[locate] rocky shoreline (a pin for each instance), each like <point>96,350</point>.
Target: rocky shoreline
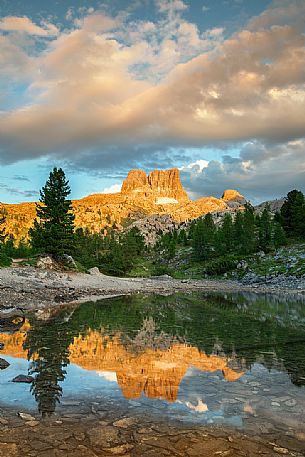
<point>32,289</point>
<point>93,430</point>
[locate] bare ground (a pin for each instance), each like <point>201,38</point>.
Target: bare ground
<point>31,288</point>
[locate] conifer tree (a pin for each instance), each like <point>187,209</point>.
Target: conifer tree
<point>204,238</point>
<point>3,235</point>
<point>293,214</point>
<point>265,230</point>
<point>224,239</point>
<point>53,231</point>
<point>279,235</point>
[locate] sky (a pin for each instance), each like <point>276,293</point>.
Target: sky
<point>213,87</point>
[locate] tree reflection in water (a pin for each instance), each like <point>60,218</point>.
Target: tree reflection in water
<point>47,345</point>
<point>244,329</point>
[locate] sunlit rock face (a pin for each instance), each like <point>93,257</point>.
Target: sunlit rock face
<point>154,372</point>
<point>160,193</point>
<point>162,186</point>
<point>233,198</point>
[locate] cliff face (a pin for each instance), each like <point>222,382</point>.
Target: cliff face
<point>233,198</point>
<point>163,186</point>
<point>160,193</point>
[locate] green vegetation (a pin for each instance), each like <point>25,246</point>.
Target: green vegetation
<point>243,241</point>
<point>292,215</point>
<point>53,231</point>
<point>114,254</point>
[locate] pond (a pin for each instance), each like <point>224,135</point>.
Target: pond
<point>231,359</point>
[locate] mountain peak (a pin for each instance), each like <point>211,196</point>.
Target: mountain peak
<point>164,186</point>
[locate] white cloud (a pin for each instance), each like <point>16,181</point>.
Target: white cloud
<point>195,167</point>
<point>110,85</point>
<point>112,189</point>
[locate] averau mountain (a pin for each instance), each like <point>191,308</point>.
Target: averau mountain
<point>160,193</point>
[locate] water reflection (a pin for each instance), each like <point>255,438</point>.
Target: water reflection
<point>176,349</point>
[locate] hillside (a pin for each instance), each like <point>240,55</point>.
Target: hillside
<point>159,193</point>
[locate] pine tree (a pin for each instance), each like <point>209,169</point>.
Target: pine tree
<point>279,235</point>
<point>204,238</point>
<point>293,214</point>
<point>3,235</point>
<point>53,230</point>
<point>265,230</point>
<point>224,239</point>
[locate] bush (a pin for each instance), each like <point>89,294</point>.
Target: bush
<point>222,265</point>
<point>5,261</point>
<point>161,270</point>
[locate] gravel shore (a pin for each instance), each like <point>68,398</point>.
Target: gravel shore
<point>32,288</point>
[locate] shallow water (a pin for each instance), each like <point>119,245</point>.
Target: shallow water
<point>236,359</point>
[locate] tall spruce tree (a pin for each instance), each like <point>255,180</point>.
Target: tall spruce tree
<point>225,236</point>
<point>3,235</point>
<point>265,230</point>
<point>53,230</point>
<point>204,238</point>
<point>293,214</point>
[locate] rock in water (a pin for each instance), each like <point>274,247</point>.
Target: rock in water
<point>3,364</point>
<point>23,378</point>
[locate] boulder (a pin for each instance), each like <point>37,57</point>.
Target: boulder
<point>94,271</point>
<point>3,364</point>
<point>46,263</point>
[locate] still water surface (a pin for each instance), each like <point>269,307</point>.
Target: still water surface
<point>233,359</point>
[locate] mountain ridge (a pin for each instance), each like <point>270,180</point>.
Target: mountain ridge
<point>158,193</point>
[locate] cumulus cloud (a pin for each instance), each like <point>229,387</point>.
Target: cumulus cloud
<point>110,85</point>
<point>26,25</point>
<point>260,172</point>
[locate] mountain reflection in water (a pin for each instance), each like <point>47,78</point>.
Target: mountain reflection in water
<point>150,343</point>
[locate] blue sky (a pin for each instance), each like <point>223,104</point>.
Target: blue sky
<point>102,87</point>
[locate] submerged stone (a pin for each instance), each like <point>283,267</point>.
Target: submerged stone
<point>23,378</point>
<point>3,364</point>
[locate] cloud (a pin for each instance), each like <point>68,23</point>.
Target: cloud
<point>15,63</point>
<point>195,167</point>
<point>261,171</point>
<point>113,189</point>
<point>114,90</point>
<point>26,25</point>
<point>15,191</point>
<point>21,178</point>
<point>171,5</point>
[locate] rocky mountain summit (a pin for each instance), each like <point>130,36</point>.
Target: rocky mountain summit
<point>158,194</point>
<point>163,186</point>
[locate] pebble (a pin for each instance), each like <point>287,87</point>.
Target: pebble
<point>26,416</point>
<point>32,423</point>
<point>291,402</point>
<point>281,450</point>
